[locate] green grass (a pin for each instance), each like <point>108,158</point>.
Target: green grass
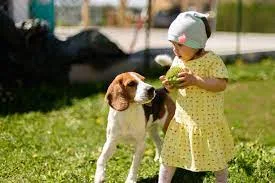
<point>56,134</point>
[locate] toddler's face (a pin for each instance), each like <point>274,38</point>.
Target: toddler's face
<point>185,53</point>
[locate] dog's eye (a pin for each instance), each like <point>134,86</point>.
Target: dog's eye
<point>132,84</point>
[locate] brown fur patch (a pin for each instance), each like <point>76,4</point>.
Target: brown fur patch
<point>121,91</point>
<point>157,107</point>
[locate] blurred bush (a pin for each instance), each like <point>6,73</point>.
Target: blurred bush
<point>240,71</point>
<point>256,17</point>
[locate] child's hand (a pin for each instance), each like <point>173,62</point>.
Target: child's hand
<point>186,78</point>
<point>166,83</point>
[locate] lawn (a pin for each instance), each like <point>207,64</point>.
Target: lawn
<point>56,134</point>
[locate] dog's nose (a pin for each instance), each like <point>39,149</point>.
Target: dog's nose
<point>151,91</point>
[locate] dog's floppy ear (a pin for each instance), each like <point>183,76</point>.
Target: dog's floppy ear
<point>116,96</point>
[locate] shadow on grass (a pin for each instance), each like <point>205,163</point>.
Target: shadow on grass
<point>181,176</point>
<point>46,97</point>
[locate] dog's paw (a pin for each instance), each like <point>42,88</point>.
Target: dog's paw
<point>130,181</point>
<point>132,178</point>
<point>99,180</point>
<point>99,176</point>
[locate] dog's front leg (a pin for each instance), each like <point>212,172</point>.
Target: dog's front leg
<point>107,151</point>
<point>139,150</point>
<point>153,132</point>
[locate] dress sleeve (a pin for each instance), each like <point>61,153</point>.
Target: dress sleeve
<point>218,69</point>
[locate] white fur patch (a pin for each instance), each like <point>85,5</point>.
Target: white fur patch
<point>142,91</point>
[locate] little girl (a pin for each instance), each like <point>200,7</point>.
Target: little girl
<point>199,139</point>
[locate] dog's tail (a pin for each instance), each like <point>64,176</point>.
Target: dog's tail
<point>164,60</point>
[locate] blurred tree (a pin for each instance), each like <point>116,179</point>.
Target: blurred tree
<point>122,13</point>
<point>85,13</point>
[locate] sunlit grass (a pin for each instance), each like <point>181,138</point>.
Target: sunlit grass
<point>62,142</point>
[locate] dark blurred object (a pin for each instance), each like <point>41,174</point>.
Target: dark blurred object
<point>31,47</point>
<point>164,18</point>
<point>12,48</point>
<point>4,5</point>
<point>90,46</point>
<point>31,54</point>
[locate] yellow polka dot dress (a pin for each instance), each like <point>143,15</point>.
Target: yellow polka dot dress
<point>199,138</point>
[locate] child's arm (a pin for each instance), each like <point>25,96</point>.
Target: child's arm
<point>211,84</point>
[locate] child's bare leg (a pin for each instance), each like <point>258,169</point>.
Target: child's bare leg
<point>166,173</point>
<point>221,176</point>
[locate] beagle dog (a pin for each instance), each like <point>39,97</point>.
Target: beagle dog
<point>135,108</point>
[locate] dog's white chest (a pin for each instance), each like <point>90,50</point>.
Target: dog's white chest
<point>127,125</point>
